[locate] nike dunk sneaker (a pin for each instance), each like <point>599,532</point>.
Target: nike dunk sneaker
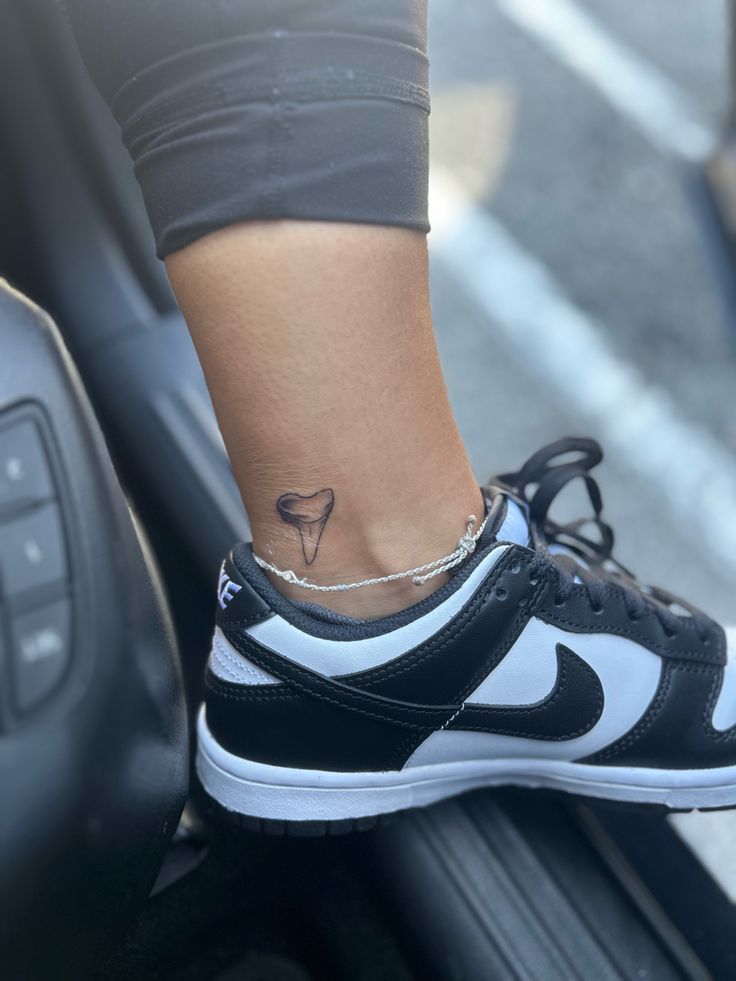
<point>541,663</point>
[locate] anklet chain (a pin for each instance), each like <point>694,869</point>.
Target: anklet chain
<point>422,573</point>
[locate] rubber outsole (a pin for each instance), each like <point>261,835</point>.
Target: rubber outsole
<point>309,829</point>
<point>288,801</point>
<point>274,828</point>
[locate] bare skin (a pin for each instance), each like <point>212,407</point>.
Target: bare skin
<point>317,343</point>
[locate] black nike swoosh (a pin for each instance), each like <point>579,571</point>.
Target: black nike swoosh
<point>571,709</point>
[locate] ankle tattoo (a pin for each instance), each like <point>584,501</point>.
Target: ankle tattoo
<point>308,513</point>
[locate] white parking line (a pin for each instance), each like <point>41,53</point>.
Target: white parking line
<point>635,88</point>
<point>693,474</point>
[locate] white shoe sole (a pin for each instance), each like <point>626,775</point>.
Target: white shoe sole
<point>280,793</point>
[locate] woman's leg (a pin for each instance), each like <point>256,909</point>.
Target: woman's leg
<point>317,343</point>
<point>315,334</point>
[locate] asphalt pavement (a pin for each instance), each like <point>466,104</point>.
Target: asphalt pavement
<point>570,131</point>
<point>573,287</point>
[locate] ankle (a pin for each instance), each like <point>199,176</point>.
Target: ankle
<point>376,551</point>
<point>366,603</point>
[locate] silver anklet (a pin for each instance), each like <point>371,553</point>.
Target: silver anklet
<point>422,573</point>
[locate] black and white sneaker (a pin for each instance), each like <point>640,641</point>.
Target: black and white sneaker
<point>542,663</point>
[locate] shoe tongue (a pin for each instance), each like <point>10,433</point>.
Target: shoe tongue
<point>514,527</point>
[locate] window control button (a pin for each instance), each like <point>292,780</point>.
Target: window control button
<point>24,471</point>
<point>41,648</point>
<point>32,551</point>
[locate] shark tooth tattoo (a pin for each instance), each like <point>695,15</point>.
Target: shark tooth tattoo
<point>309,514</point>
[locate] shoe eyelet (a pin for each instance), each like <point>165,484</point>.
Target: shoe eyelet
<point>515,569</point>
<point>598,610</point>
<point>501,593</point>
<point>559,602</point>
<point>533,580</point>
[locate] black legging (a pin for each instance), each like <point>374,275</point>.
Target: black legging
<point>241,109</point>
